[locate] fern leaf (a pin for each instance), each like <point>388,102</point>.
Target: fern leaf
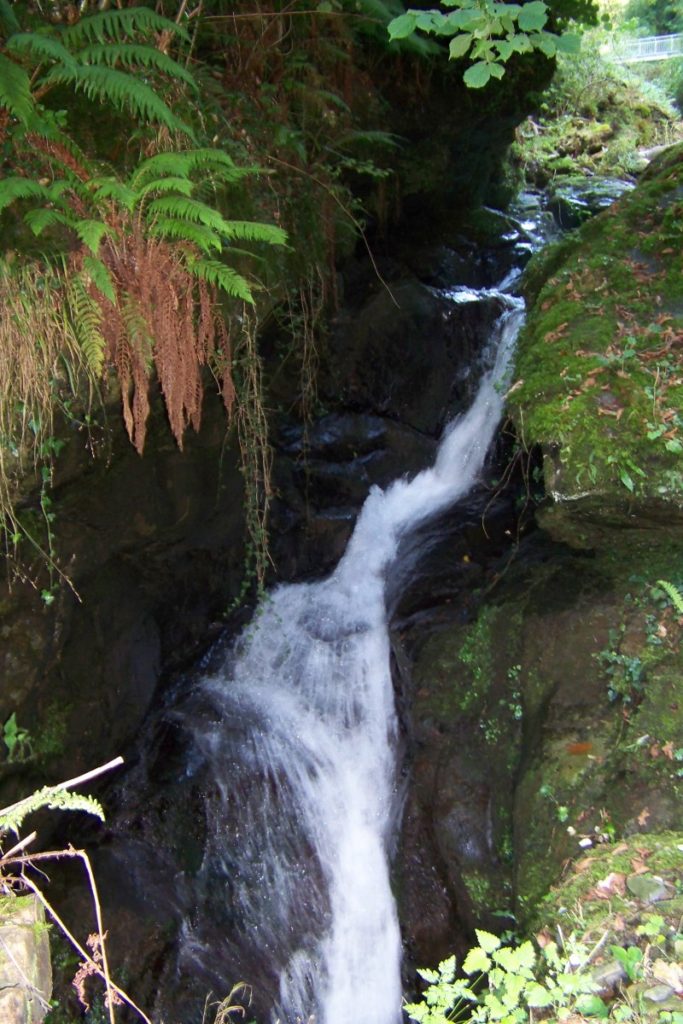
<point>100,277</point>
<point>172,184</point>
<point>181,231</point>
<point>214,161</point>
<point>673,593</point>
<point>15,188</point>
<point>15,90</point>
<point>191,210</point>
<point>135,55</point>
<point>8,18</point>
<point>87,320</point>
<point>91,233</point>
<point>39,220</point>
<point>123,91</point>
<point>43,47</point>
<point>12,817</point>
<point>218,274</point>
<point>119,25</point>
<point>253,231</point>
<point>111,188</point>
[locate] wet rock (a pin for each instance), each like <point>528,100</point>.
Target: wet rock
<point>25,972</point>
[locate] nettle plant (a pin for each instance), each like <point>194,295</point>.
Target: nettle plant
<point>506,985</point>
<point>143,253</point>
<point>487,32</point>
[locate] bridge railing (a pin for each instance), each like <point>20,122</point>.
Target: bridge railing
<point>630,51</point>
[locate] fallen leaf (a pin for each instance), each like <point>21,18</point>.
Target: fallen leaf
<point>582,865</point>
<point>671,974</point>
<point>639,866</point>
<point>668,750</point>
<point>654,750</point>
<point>643,816</point>
<point>618,923</point>
<point>619,848</point>
<point>579,748</point>
<point>613,885</point>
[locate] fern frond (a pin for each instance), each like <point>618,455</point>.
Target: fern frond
<point>43,47</point>
<point>97,272</point>
<point>673,593</point>
<point>119,25</point>
<point>123,91</point>
<point>135,55</point>
<point>111,188</point>
<point>254,231</point>
<point>218,274</point>
<point>8,18</point>
<point>39,220</point>
<point>214,161</point>
<point>86,315</point>
<point>15,188</point>
<point>12,817</point>
<point>191,210</point>
<point>91,233</point>
<point>181,231</point>
<point>15,90</point>
<point>172,184</point>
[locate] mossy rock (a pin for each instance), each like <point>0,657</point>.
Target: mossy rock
<point>599,368</point>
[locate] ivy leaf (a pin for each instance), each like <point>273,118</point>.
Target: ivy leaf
<point>478,75</point>
<point>459,45</point>
<point>403,26</point>
<point>546,44</point>
<point>533,16</point>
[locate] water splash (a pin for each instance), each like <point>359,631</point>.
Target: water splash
<point>302,743</point>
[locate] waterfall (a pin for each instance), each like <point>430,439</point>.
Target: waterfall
<point>302,743</point>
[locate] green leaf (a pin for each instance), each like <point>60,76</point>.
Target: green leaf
<point>91,233</point>
<point>497,70</point>
<point>487,940</point>
<point>100,277</point>
<point>477,76</point>
<point>203,237</point>
<point>403,26</point>
<point>476,961</point>
<point>459,45</point>
<point>123,91</point>
<point>545,42</point>
<point>568,42</point>
<point>135,55</point>
<point>118,25</point>
<point>254,231</point>
<point>43,47</point>
<point>39,220</point>
<point>592,1006</point>
<point>15,90</point>
<point>533,16</point>
<point>222,276</point>
<point>111,188</point>
<point>626,480</point>
<point>15,188</point>
<point>537,996</point>
<point>8,18</point>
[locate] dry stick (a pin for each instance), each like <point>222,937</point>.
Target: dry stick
<point>354,220</point>
<point>76,944</point>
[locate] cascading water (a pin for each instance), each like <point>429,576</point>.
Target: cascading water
<point>303,730</point>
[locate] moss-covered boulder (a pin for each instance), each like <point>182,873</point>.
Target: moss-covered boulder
<point>599,373</point>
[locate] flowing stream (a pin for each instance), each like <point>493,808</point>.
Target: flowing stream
<point>304,730</point>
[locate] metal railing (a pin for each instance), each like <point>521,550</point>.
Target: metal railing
<point>632,51</point>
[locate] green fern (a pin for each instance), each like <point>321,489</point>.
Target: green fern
<point>112,188</point>
<point>86,315</point>
<point>8,19</point>
<point>96,271</point>
<point>218,274</point>
<point>121,90</point>
<point>212,161</point>
<point>181,231</point>
<point>673,593</point>
<point>15,188</point>
<point>11,818</point>
<point>41,219</point>
<point>191,210</point>
<point>91,233</point>
<point>44,47</point>
<point>15,90</point>
<point>119,25</point>
<point>253,231</point>
<point>172,184</point>
<point>135,55</point>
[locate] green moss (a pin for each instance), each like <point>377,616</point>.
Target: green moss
<point>599,373</point>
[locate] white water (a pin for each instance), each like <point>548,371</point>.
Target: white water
<point>305,731</point>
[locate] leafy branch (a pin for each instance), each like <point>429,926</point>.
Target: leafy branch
<point>487,32</point>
